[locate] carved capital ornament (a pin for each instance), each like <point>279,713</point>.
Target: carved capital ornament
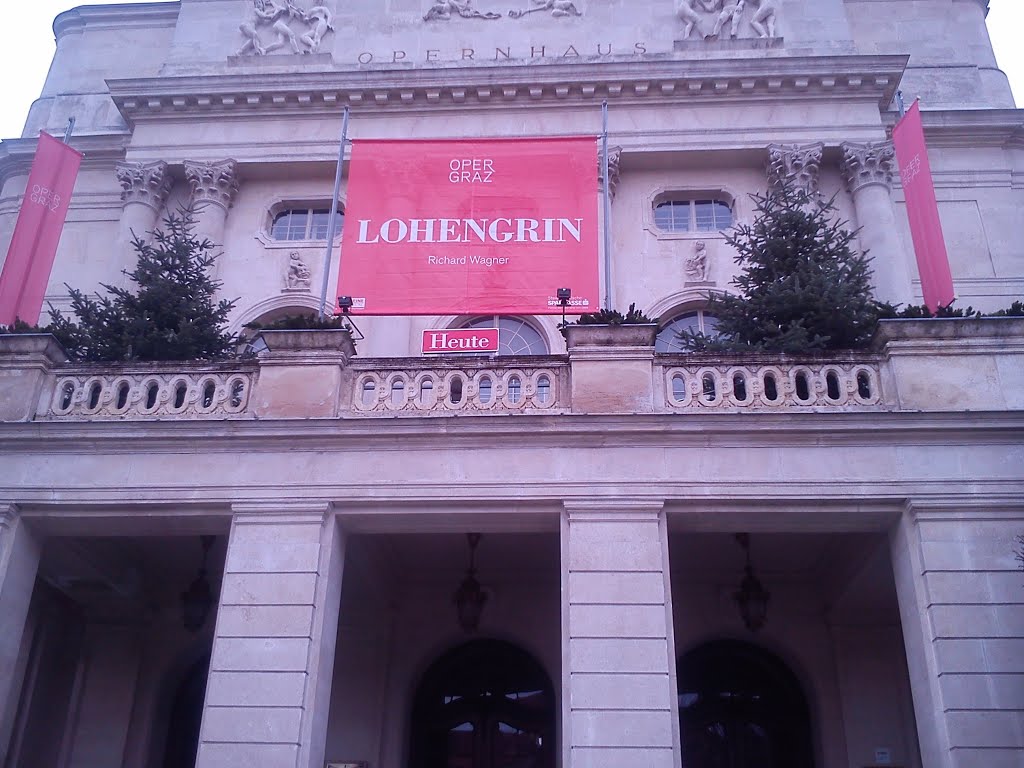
<point>146,183</point>
<point>212,182</point>
<point>795,165</point>
<point>864,164</point>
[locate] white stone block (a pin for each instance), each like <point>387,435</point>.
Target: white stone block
<point>977,621</point>
<point>255,689</point>
<point>986,729</point>
<point>617,588</point>
<point>273,557</point>
<point>265,621</point>
<point>621,729</point>
<point>259,725</point>
<point>247,755</point>
<point>618,656</point>
<point>985,758</point>
<point>983,691</point>
<point>604,757</point>
<point>235,654</point>
<point>991,655</point>
<point>276,533</point>
<point>617,621</point>
<point>611,691</point>
<point>268,589</point>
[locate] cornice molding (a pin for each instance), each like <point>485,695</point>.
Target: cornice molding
<point>872,78</point>
<point>100,151</point>
<point>115,17</point>
<point>969,127</point>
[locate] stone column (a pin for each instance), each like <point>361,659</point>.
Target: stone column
<point>618,651</point>
<point>213,190</point>
<point>145,187</point>
<point>268,693</point>
<point>796,165</point>
<point>962,610</point>
<point>19,560</point>
<point>868,172</point>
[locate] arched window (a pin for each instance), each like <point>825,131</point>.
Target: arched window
<point>668,336</point>
<point>305,223</point>
<point>741,707</point>
<point>679,212</point>
<point>515,336</point>
<point>484,704</point>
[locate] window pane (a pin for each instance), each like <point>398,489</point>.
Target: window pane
<point>673,215</point>
<point>723,215</point>
<point>290,225</point>
<point>320,221</point>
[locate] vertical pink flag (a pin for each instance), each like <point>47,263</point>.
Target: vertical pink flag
<point>40,221</point>
<point>923,210</point>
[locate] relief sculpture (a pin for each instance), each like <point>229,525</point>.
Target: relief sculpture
<point>300,30</point>
<point>727,16</point>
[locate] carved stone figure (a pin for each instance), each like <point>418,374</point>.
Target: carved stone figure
<point>442,10</point>
<point>695,265</point>
<point>320,18</point>
<point>298,276</point>
<point>557,8</point>
<point>796,165</point>
<point>279,15</point>
<point>730,13</point>
<point>763,21</point>
<point>689,17</point>
<point>146,183</point>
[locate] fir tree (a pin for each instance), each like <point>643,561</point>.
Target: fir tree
<point>803,287</point>
<point>172,315</point>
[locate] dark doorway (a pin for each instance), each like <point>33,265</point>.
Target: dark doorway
<point>484,704</point>
<point>741,707</point>
<point>186,717</point>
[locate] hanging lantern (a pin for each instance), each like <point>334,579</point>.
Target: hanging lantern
<point>470,596</point>
<point>752,598</point>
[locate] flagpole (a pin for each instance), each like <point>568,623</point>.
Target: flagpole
<point>900,105</point>
<point>69,129</point>
<point>334,214</point>
<point>607,208</point>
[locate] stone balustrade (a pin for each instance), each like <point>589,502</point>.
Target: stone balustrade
<point>701,382</point>
<point>185,391</point>
<point>414,386</point>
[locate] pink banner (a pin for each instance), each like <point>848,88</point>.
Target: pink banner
<point>40,222</point>
<point>481,226</point>
<point>923,210</point>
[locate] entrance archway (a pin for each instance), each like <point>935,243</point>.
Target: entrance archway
<point>484,704</point>
<point>741,707</point>
<point>186,716</point>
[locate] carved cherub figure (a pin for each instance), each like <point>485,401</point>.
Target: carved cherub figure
<point>319,18</point>
<point>689,17</point>
<point>764,19</point>
<point>695,265</point>
<point>730,12</point>
<point>298,275</point>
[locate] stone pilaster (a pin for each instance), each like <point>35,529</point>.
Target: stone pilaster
<point>19,560</point>
<point>797,165</point>
<point>619,672</point>
<point>214,186</point>
<point>962,609</point>
<point>268,694</point>
<point>868,170</point>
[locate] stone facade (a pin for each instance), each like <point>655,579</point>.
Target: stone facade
<point>881,490</point>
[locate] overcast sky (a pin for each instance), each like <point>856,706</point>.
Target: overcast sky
<point>27,47</point>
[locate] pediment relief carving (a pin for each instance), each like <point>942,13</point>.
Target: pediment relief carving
<point>446,10</point>
<point>284,24</point>
<point>717,19</point>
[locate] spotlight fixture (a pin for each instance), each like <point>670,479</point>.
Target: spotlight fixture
<point>345,303</point>
<point>563,295</point>
<point>470,596</point>
<point>197,600</point>
<point>752,598</point>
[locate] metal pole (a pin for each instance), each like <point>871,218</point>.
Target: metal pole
<point>607,208</point>
<point>899,103</point>
<point>69,129</point>
<point>334,215</point>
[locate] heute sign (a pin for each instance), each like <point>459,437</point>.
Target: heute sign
<point>453,227</point>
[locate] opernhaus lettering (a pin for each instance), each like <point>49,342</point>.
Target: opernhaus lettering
<point>499,230</point>
<point>506,53</point>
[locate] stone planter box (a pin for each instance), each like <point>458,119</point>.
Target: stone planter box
<point>629,335</point>
<point>317,343</point>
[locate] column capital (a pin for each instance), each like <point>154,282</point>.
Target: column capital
<point>614,155</point>
<point>214,183</point>
<point>795,164</point>
<point>9,514</point>
<point>867,163</point>
<point>146,183</point>
<point>298,512</point>
<point>612,510</point>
